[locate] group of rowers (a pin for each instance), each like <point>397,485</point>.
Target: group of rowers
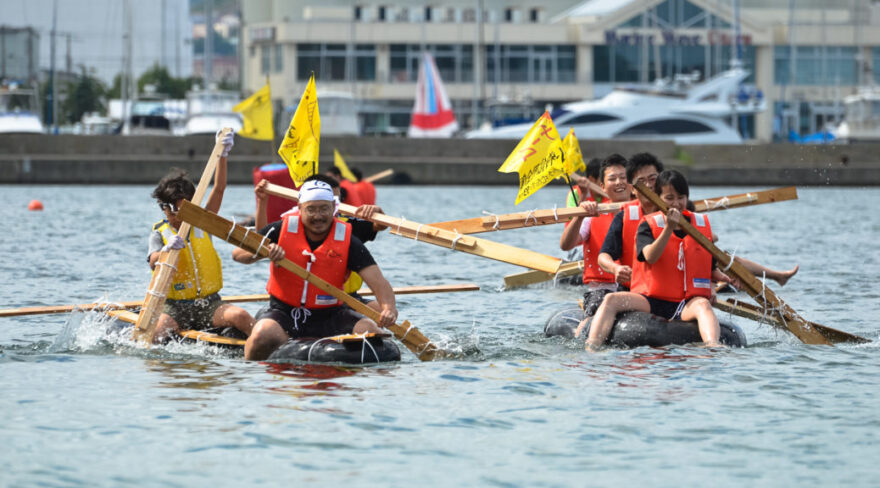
<point>640,259</point>
<point>637,250</point>
<point>311,235</point>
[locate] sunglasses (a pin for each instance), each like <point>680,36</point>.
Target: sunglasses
<point>168,206</point>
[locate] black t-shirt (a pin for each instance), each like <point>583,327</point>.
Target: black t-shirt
<point>358,255</point>
<point>613,243</point>
<point>644,237</point>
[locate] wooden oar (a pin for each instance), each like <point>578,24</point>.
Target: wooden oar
<point>402,290</point>
<point>238,235</point>
<point>445,238</point>
<point>793,322</point>
<point>526,278</point>
<point>378,176</point>
<point>145,328</point>
<point>519,220</point>
<point>758,314</point>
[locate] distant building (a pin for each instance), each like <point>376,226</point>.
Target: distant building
<point>556,51</point>
<point>19,54</point>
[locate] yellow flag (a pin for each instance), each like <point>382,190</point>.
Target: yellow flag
<point>299,149</point>
<point>538,158</point>
<point>574,160</point>
<point>256,111</point>
<point>343,168</point>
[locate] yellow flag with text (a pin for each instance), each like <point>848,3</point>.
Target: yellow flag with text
<point>343,168</point>
<point>299,149</point>
<point>574,160</point>
<point>256,113</point>
<point>538,158</point>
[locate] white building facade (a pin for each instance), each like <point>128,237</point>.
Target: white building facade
<point>534,54</point>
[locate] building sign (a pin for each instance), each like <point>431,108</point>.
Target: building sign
<point>674,38</point>
<point>262,34</point>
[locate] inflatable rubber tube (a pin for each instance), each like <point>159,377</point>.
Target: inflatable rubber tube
<point>637,329</point>
<point>327,350</point>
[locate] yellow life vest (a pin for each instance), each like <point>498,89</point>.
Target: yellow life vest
<point>354,281</point>
<point>199,271</point>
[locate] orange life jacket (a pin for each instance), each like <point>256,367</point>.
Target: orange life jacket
<point>367,192</point>
<point>683,271</point>
<point>328,262</point>
<point>598,230</point>
<point>352,193</point>
<point>632,217</point>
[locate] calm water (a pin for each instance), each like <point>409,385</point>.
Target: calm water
<point>84,407</point>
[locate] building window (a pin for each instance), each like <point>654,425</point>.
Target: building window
<point>508,15</point>
<point>330,62</point>
<point>358,13</point>
<point>816,65</point>
<point>264,59</point>
<point>535,15</point>
<point>666,127</point>
<point>623,63</point>
<point>279,58</point>
<point>455,62</point>
<point>530,64</point>
<point>469,15</point>
<point>428,14</point>
<point>382,13</point>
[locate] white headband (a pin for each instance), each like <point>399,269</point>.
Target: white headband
<point>315,190</point>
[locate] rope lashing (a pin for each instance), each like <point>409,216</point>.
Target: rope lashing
<point>497,220</point>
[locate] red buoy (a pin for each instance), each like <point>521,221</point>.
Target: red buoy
<point>35,205</point>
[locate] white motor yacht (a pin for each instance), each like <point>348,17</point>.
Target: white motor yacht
<point>211,110</point>
<point>694,114</point>
<point>861,121</point>
<point>19,111</point>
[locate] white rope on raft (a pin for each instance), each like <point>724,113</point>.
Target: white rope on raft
<point>497,220</point>
<point>229,236</point>
<point>531,215</point>
<point>730,263</point>
<point>555,216</point>
<point>364,345</point>
<point>263,241</point>
<point>455,241</point>
<point>405,333</point>
<point>416,238</point>
<point>402,220</point>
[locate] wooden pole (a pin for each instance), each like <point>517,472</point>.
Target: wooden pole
<point>403,290</point>
<point>794,323</point>
<point>242,237</point>
<point>445,238</point>
<point>145,328</point>
<point>378,176</point>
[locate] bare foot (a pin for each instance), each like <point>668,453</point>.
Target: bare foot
<point>590,347</point>
<point>784,276</point>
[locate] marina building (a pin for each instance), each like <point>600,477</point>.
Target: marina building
<point>502,59</point>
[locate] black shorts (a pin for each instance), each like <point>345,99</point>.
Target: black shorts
<point>318,322</point>
<point>663,308</point>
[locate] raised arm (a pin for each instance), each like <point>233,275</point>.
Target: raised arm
<point>215,198</point>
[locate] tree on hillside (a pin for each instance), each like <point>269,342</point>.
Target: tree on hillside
<point>83,96</point>
<point>165,83</point>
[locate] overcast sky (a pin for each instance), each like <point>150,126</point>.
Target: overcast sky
<point>96,26</point>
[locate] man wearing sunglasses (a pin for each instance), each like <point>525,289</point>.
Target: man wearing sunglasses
<point>193,301</point>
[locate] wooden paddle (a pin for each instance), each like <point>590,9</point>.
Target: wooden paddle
<point>242,237</point>
<point>445,238</point>
<point>379,175</point>
<point>145,328</point>
<point>402,290</point>
<point>519,220</point>
<point>526,278</point>
<point>758,314</point>
<point>794,323</point>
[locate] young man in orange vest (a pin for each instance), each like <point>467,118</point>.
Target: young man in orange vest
<point>675,280</point>
<point>314,239</point>
<point>365,189</point>
<point>590,231</point>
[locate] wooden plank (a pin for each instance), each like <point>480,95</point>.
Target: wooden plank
<point>447,239</point>
<point>378,176</point>
<point>402,290</point>
<point>759,314</point>
<point>491,223</point>
<point>238,235</point>
<point>145,329</point>
<point>793,322</point>
<point>201,336</point>
<point>520,280</point>
<point>746,199</point>
<point>534,218</point>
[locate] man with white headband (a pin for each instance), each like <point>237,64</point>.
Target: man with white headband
<point>324,245</point>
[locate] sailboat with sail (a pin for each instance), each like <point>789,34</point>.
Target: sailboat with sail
<point>432,113</point>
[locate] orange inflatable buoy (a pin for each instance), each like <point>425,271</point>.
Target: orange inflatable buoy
<point>35,205</point>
